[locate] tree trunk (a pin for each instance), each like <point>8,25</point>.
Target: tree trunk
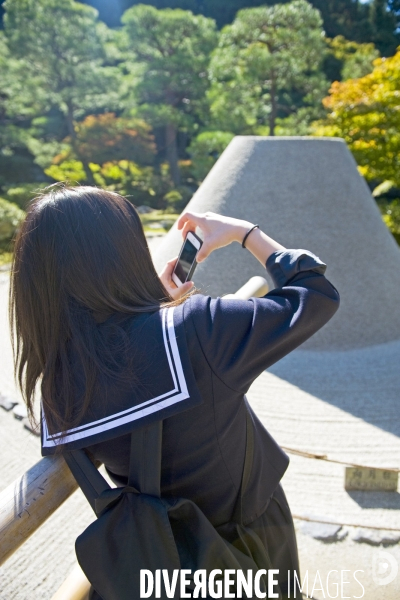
<point>172,152</point>
<point>70,123</point>
<point>72,134</point>
<point>274,108</point>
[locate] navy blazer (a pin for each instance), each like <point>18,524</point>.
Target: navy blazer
<point>194,364</point>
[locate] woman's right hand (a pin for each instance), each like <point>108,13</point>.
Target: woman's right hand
<point>218,230</point>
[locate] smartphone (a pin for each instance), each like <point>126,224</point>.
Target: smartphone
<point>186,263</point>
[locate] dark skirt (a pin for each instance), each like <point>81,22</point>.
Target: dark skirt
<point>275,529</point>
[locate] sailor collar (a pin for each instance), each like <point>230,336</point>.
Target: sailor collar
<point>167,387</point>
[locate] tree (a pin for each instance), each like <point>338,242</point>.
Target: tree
<point>356,59</point>
<point>354,19</point>
<point>349,18</point>
<point>16,162</point>
<point>365,112</point>
<point>105,137</point>
<point>172,48</point>
<point>205,150</point>
<point>267,64</point>
<point>374,22</point>
<point>394,7</point>
<point>222,11</point>
<point>384,24</point>
<point>63,48</point>
<point>11,217</point>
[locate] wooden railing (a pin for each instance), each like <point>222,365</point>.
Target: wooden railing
<point>28,502</point>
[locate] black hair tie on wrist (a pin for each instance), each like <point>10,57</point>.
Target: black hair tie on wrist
<point>248,233</point>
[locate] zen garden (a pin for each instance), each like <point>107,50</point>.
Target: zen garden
<point>143,101</point>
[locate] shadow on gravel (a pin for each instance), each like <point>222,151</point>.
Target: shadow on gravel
<point>364,382</point>
<point>369,499</point>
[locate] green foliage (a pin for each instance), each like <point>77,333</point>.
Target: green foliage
<point>105,137</point>
<point>23,193</point>
<point>373,21</point>
<point>223,11</point>
<point>173,48</point>
<point>122,109</point>
<point>16,161</point>
<point>173,200</point>
<point>158,221</point>
<point>10,218</point>
<point>267,64</point>
<point>71,170</point>
<point>298,123</point>
<point>384,25</point>
<point>14,85</point>
<point>16,166</point>
<point>365,112</point>
<point>63,59</point>
<point>394,7</point>
<point>5,257</point>
<point>383,188</point>
<point>391,215</point>
<point>143,184</point>
<point>100,139</point>
<point>356,59</point>
<point>205,149</point>
<point>348,18</point>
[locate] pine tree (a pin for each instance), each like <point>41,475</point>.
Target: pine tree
<point>267,64</point>
<point>376,21</point>
<point>384,23</point>
<point>171,51</point>
<point>63,49</point>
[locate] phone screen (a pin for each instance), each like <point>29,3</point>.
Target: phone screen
<point>185,262</point>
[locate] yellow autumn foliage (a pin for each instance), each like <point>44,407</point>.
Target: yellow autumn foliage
<point>366,113</point>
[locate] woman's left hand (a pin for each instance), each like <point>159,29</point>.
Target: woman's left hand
<point>175,292</point>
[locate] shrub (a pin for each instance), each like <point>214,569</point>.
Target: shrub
<point>10,218</point>
<point>104,138</point>
<point>205,149</point>
<point>67,170</point>
<point>22,194</point>
<point>365,112</point>
<point>143,185</point>
<point>391,215</point>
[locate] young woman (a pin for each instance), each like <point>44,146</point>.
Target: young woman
<point>115,347</point>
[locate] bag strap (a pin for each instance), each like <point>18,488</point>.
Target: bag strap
<point>145,459</point>
<point>91,482</point>
<point>145,466</point>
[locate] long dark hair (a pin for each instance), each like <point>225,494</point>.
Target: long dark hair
<point>80,257</point>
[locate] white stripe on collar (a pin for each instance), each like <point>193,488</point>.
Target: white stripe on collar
<point>177,394</point>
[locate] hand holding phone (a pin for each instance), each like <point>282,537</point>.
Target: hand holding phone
<point>186,263</point>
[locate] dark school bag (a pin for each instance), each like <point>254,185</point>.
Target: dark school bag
<point>138,529</point>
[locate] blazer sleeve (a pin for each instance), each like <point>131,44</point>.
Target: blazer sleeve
<point>242,338</point>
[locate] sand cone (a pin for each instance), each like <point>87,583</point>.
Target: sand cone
<point>305,193</point>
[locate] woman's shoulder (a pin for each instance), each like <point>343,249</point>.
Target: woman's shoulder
<point>202,305</point>
<point>206,314</point>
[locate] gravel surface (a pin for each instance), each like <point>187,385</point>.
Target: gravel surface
<point>305,193</point>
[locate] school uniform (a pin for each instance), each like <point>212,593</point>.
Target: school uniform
<point>194,364</point>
